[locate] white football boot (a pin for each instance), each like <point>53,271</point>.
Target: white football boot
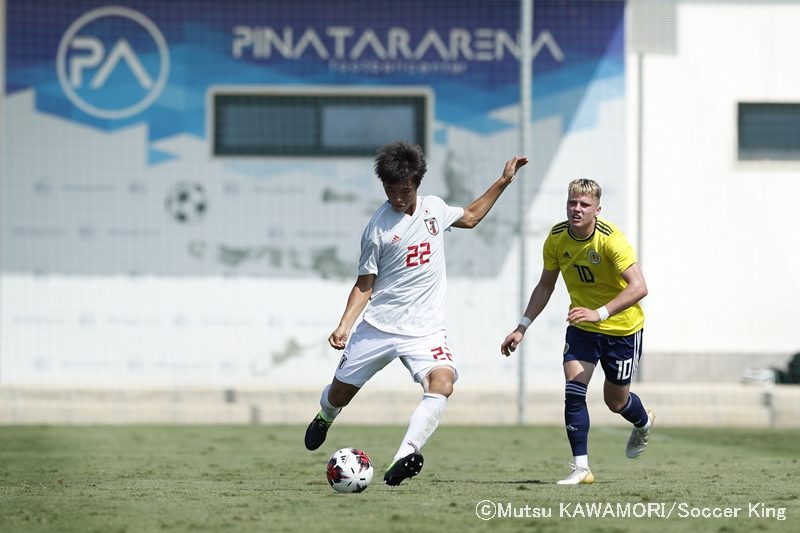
<point>637,442</point>
<point>579,476</point>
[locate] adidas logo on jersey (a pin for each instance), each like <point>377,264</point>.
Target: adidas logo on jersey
<point>396,238</point>
<point>566,255</point>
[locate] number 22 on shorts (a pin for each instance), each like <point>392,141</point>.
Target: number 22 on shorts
<point>440,353</point>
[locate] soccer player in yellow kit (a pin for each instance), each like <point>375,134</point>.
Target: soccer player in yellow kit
<point>605,284</point>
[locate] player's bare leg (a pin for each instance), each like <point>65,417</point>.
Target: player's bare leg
<point>334,397</point>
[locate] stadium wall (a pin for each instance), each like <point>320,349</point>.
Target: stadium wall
<point>103,288</point>
<point>716,245</point>
<point>676,405</point>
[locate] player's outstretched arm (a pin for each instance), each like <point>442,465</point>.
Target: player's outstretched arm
<point>356,302</point>
<point>537,302</point>
<point>478,209</point>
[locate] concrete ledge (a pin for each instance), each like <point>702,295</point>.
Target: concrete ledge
<point>698,368</point>
<point>695,404</point>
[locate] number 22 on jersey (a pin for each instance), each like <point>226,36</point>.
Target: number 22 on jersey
<point>418,254</point>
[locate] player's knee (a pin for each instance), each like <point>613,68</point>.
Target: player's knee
<point>615,404</point>
<point>439,383</point>
<point>446,389</point>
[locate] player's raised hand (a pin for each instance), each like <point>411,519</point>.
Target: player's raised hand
<point>513,165</point>
<point>511,342</point>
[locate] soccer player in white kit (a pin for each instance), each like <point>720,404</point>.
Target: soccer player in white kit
<point>402,283</point>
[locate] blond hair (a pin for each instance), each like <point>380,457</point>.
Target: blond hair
<point>584,187</point>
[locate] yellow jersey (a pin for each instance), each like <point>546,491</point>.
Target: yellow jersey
<point>592,269</point>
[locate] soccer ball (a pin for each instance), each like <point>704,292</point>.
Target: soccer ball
<point>187,202</point>
<point>349,470</point>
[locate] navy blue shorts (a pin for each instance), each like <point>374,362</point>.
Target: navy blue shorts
<point>618,355</point>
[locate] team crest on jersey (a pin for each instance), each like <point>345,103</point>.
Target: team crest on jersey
<point>594,257</point>
<point>432,225</point>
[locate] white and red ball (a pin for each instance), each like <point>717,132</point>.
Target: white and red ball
<point>349,470</point>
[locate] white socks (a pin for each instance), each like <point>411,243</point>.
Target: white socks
<point>581,461</point>
<point>424,421</point>
<point>328,411</point>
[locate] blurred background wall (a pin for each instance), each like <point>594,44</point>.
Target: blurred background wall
<point>184,185</point>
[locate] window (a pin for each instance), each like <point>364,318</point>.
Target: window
<point>769,131</point>
<point>319,122</point>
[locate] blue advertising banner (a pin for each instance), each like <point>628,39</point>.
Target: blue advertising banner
<point>152,61</point>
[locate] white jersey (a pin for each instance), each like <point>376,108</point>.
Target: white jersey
<point>407,255</point>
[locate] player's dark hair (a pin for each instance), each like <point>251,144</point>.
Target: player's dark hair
<point>400,160</point>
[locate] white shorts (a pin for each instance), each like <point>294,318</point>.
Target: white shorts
<point>370,349</point>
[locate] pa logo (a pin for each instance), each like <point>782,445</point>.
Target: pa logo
<point>112,62</point>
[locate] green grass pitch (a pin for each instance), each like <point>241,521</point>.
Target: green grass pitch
<point>261,478</point>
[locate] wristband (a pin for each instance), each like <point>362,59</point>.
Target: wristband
<point>525,322</point>
<point>603,312</point>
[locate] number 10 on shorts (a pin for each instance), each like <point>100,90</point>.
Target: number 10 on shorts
<point>624,369</point>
